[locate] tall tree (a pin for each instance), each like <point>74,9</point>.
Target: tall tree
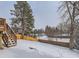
<point>23,17</point>
<point>70,9</point>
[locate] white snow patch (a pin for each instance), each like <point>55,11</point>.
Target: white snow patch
<point>60,39</point>
<point>40,50</point>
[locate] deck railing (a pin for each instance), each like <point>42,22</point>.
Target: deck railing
<point>11,33</point>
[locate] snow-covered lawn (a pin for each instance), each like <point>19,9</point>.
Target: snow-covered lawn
<point>41,50</point>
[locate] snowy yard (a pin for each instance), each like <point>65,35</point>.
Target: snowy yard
<point>24,49</point>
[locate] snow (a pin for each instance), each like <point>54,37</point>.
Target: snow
<point>60,39</point>
<point>43,36</point>
<point>39,50</point>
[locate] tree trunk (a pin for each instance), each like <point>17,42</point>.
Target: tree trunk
<point>72,17</point>
<point>72,36</point>
<point>22,28</point>
<point>23,23</point>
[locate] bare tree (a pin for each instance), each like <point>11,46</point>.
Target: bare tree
<point>70,9</point>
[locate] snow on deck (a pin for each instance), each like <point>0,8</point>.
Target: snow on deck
<point>24,49</point>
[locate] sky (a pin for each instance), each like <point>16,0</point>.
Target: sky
<point>44,12</point>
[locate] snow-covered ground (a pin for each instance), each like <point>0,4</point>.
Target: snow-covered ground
<point>41,50</point>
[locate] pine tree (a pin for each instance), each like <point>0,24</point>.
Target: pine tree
<point>23,17</point>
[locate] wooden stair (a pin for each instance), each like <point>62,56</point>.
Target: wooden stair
<point>8,37</point>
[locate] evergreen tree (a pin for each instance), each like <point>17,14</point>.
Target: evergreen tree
<point>23,17</point>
